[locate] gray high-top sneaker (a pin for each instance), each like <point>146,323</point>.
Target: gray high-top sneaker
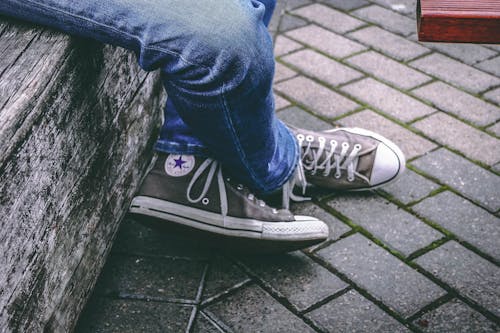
<point>192,191</point>
<point>347,159</point>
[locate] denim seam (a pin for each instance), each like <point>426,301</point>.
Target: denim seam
<point>120,32</point>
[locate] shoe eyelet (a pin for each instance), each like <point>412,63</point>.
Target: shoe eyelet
<point>350,179</point>
<point>262,204</point>
<point>309,138</point>
<point>239,187</point>
<point>321,139</point>
<point>228,179</point>
<point>275,211</point>
<point>251,197</point>
<point>205,201</point>
<point>357,146</point>
<point>345,145</point>
<point>300,136</point>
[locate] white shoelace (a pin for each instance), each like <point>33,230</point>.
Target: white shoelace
<point>215,168</point>
<point>323,159</point>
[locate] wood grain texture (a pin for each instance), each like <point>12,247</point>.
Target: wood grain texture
<point>77,123</point>
<point>466,21</point>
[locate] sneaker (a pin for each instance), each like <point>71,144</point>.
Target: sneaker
<point>192,191</point>
<point>347,159</point>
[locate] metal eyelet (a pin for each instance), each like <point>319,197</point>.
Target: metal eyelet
<point>205,201</point>
<point>239,187</point>
<point>300,136</point>
<point>321,139</point>
<point>345,145</point>
<point>309,138</point>
<point>357,146</point>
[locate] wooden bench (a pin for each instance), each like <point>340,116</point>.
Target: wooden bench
<point>465,21</point>
<point>77,123</point>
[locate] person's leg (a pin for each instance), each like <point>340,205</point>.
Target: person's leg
<point>217,66</point>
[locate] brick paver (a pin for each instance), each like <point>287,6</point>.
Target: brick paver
<point>388,19</point>
<point>389,70</point>
<point>354,313</point>
<point>386,42</point>
<point>460,136</point>
<point>317,65</point>
<point>411,144</point>
<point>326,41</point>
<point>329,18</point>
<point>474,277</point>
<point>387,222</point>
<point>388,100</point>
<point>419,255</point>
<point>466,220</point>
<point>317,98</point>
<point>455,72</point>
<point>459,103</point>
<point>467,178</point>
<point>455,316</point>
<point>381,274</point>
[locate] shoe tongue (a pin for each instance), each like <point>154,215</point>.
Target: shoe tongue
<point>365,163</point>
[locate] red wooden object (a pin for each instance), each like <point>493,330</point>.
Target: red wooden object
<point>466,21</point>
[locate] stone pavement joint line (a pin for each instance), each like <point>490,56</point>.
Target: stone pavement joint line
<point>420,255</point>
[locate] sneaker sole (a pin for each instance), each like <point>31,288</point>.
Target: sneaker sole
<point>304,228</point>
<point>392,146</point>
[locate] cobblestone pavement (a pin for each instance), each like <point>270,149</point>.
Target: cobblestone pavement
<point>421,255</point>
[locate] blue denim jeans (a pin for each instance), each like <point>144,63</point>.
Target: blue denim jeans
<point>217,66</point>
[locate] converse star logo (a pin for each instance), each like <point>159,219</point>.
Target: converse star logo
<point>179,165</point>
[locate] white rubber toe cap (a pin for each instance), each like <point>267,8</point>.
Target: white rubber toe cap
<point>389,164</point>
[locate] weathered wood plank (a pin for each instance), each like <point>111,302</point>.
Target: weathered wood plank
<point>466,21</point>
<point>77,122</point>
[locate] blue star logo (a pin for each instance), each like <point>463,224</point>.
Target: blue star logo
<point>179,162</point>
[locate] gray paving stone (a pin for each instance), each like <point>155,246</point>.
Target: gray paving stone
<point>493,95</point>
<point>135,238</point>
<point>494,47</point>
<point>491,66</point>
<point>289,22</point>
<point>387,222</point>
<point>465,271</point>
<point>388,70</point>
<point>388,43</point>
<point>282,72</point>
<point>284,45</point>
<point>291,4</point>
<point>354,313</point>
<point>455,317</point>
<point>300,118</point>
<point>410,143</point>
<point>253,310</point>
<point>125,316</point>
<point>381,274</point>
<point>302,281</point>
<point>472,181</point>
<point>222,275</point>
<point>495,129</point>
<point>321,67</point>
<point>388,19</point>
<point>455,72</point>
<point>203,325</point>
<point>151,277</point>
<point>329,18</point>
<point>318,98</point>
<point>467,221</point>
<point>410,187</point>
<point>388,100</point>
<point>280,102</point>
<point>460,136</point>
<point>336,227</point>
<point>326,41</point>
<point>455,101</point>
<point>345,5</point>
<point>401,6</point>
<point>467,53</point>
